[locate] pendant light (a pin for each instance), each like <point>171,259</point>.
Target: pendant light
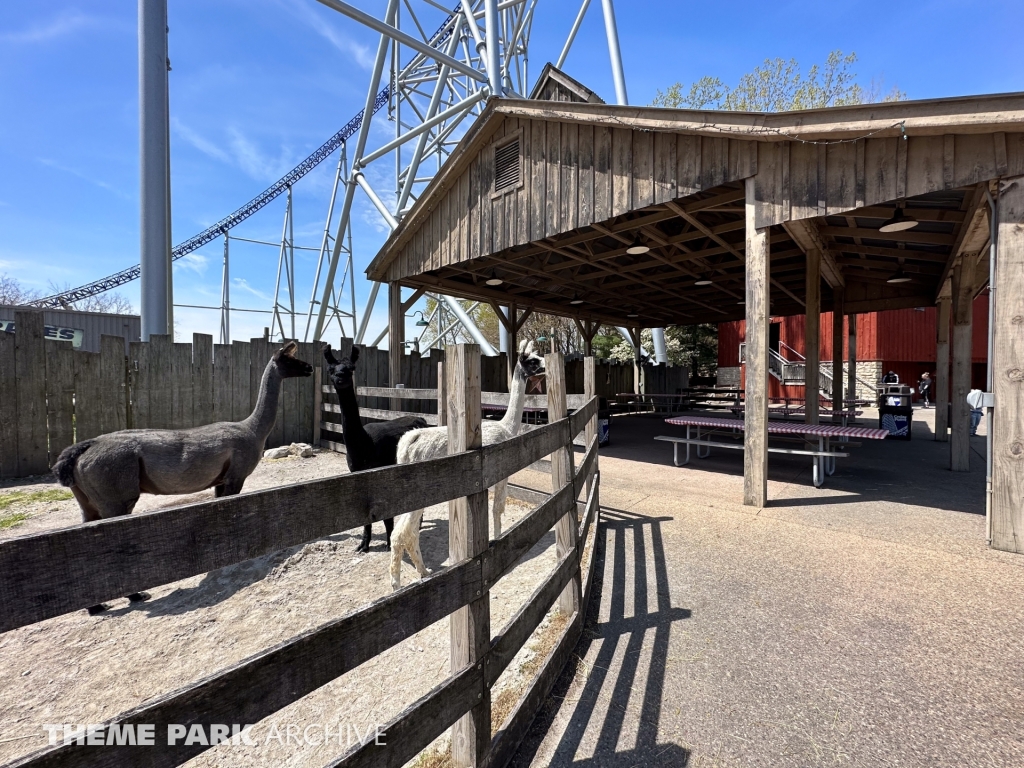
<point>493,279</point>
<point>898,223</point>
<point>703,280</point>
<point>899,276</point>
<point>575,298</point>
<point>637,248</point>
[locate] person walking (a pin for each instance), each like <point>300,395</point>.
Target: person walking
<point>924,388</point>
<point>974,399</point>
<point>891,378</point>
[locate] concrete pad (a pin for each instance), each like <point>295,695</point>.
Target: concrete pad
<point>864,623</point>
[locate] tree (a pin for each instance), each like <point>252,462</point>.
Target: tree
<point>13,293</point>
<point>113,303</point>
<point>779,86</point>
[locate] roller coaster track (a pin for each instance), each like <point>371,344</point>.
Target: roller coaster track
<point>68,298</point>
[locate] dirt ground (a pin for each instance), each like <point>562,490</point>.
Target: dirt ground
<point>78,668</point>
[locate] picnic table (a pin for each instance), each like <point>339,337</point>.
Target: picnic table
<point>684,399</point>
<point>786,410</point>
<point>824,458</point>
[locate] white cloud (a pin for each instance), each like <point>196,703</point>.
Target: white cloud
<point>194,262</point>
<point>201,143</point>
<point>41,32</point>
<point>242,284</point>
<point>99,183</point>
<point>358,52</point>
<point>251,159</point>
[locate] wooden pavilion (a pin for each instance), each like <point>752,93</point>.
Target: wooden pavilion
<point>645,217</point>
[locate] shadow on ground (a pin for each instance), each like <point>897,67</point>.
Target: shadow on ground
<point>630,618</point>
<point>912,471</point>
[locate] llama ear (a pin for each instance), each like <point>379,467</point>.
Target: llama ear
<point>289,349</point>
<point>522,346</point>
<point>329,355</point>
<point>354,356</point>
<point>529,347</point>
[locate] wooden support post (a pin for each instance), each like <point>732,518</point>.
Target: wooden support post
<point>470,627</point>
<point>561,473</point>
<point>812,363</point>
<point>755,413</point>
<point>963,311</point>
<point>942,369</point>
<point>442,411</point>
<point>851,379</point>
<point>318,399</point>
<point>1007,510</point>
<point>837,351</point>
<point>396,339</point>
<point>513,340</point>
<point>589,391</point>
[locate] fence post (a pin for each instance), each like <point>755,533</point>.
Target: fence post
<point>467,537</point>
<point>590,391</point>
<point>442,411</point>
<point>318,399</point>
<point>561,473</point>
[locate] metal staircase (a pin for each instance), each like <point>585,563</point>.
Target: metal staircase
<point>794,371</point>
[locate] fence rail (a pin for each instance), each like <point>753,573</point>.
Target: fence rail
<point>48,574</point>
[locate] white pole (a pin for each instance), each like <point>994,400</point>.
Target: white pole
<point>612,32</point>
<point>493,51</point>
<point>153,153</point>
<point>572,34</point>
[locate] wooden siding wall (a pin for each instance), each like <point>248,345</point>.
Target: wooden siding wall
<point>55,396</point>
<point>573,175</point>
<point>897,335</point>
<point>799,181</point>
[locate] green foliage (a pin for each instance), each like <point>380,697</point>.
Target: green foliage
<point>605,341</point>
<point>698,346</point>
<point>780,86</point>
<point>8,500</point>
<point>13,519</point>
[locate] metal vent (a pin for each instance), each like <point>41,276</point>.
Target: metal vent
<point>506,166</point>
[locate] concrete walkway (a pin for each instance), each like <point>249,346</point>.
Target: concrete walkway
<point>863,623</point>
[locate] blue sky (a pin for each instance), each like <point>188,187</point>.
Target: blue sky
<point>258,84</point>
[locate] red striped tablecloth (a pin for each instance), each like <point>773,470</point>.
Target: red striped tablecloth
<point>783,428</point>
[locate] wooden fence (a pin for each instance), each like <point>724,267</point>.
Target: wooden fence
<point>48,574</point>
<point>54,396</point>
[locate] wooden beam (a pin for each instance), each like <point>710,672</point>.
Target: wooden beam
<point>838,318</point>
<point>407,304</point>
<point>851,346</point>
<point>470,627</point>
<point>755,414</point>
<point>963,314</point>
<point>942,369</point>
<point>812,324</point>
<point>1007,520</point>
<point>561,473</point>
<point>971,236</point>
<point>806,235</point>
<point>396,338</point>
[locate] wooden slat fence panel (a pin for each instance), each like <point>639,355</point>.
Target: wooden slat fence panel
<point>181,386</point>
<point>60,397</point>
<point>30,369</point>
<point>240,383</point>
<point>202,379</point>
<point>260,685</point>
<point>8,407</point>
<point>114,385</point>
<point>222,392</point>
<point>89,402</point>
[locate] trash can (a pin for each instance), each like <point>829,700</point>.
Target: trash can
<point>895,413</point>
<point>604,422</point>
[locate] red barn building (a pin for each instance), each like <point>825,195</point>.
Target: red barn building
<point>900,340</point>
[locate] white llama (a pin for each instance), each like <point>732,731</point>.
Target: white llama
<point>432,442</point>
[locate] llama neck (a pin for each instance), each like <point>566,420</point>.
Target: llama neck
<point>516,401</point>
<point>263,416</point>
<point>351,424</point>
